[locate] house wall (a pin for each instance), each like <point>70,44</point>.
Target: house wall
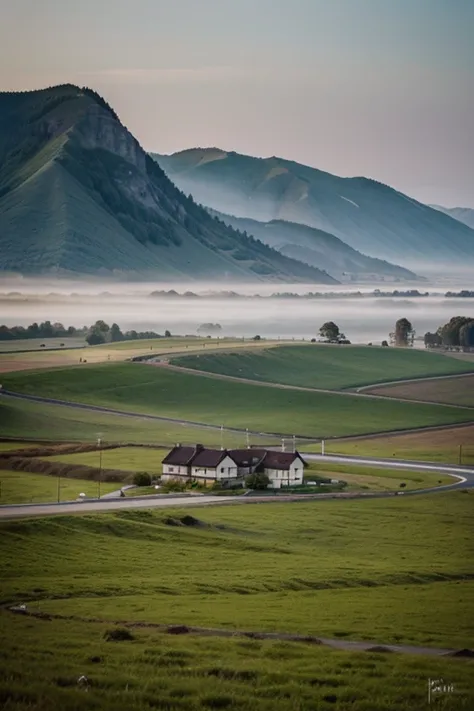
<point>286,477</point>
<point>227,469</point>
<point>175,470</point>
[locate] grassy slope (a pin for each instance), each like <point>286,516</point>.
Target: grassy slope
<point>456,391</point>
<point>145,389</point>
<point>55,423</point>
<point>436,446</point>
<point>269,567</point>
<point>374,479</point>
<point>26,488</point>
<point>185,673</point>
<point>123,350</point>
<point>352,571</point>
<point>330,367</point>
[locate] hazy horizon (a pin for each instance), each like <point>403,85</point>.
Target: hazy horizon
<point>364,88</point>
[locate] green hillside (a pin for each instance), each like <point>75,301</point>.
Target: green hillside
<point>369,216</point>
<point>327,367</point>
<point>79,194</point>
<point>317,247</point>
<point>143,389</point>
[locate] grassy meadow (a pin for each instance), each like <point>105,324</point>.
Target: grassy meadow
<point>144,389</point>
<point>27,488</point>
<point>389,571</point>
<point>61,423</point>
<point>325,366</point>
<point>449,446</point>
<point>364,477</point>
<point>42,660</point>
<point>115,352</point>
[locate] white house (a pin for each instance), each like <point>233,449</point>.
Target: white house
<point>230,467</point>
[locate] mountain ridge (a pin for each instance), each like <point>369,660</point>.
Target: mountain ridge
<point>79,194</point>
<point>368,215</point>
<point>318,247</point>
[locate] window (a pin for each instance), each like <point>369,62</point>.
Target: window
<point>222,470</point>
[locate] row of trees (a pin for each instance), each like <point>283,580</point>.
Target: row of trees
<point>40,330</point>
<point>101,332</point>
<point>457,332</point>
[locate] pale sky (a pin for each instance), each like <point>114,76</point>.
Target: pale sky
<point>381,88</point>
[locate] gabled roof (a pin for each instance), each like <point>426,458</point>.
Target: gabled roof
<point>209,458</point>
<point>281,460</point>
<point>181,456</point>
<point>247,457</point>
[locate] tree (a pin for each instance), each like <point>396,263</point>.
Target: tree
<point>466,335</point>
<point>257,480</point>
<point>257,338</point>
<point>385,344</point>
<point>404,333</point>
<point>432,340</point>
<point>330,331</point>
<point>115,333</point>
<point>142,479</point>
<point>167,334</point>
<point>95,336</point>
<point>450,332</point>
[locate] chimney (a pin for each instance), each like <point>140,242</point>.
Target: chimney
<point>199,447</point>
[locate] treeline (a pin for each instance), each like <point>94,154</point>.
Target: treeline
<point>101,332</point>
<point>457,333</point>
<point>40,330</point>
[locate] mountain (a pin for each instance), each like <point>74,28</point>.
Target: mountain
<point>78,194</point>
<point>462,214</point>
<point>318,248</point>
<point>369,216</point>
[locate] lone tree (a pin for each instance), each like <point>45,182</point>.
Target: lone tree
<point>330,330</point>
<point>404,334</point>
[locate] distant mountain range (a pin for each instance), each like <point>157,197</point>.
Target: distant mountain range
<point>319,249</point>
<point>462,214</point>
<point>79,194</point>
<point>369,216</point>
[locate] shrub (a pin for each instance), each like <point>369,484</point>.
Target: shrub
<point>142,479</point>
<point>258,481</point>
<point>119,634</point>
<point>402,485</point>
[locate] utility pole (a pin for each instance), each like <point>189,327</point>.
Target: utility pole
<point>247,437</point>
<point>222,437</point>
<point>59,488</point>
<point>460,454</point>
<point>100,466</point>
<point>322,447</point>
<point>294,444</point>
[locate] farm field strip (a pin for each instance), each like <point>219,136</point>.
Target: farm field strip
<point>119,351</point>
<point>453,390</point>
<point>158,392</point>
<point>324,366</point>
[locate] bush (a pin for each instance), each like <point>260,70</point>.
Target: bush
<point>119,634</point>
<point>402,485</point>
<point>142,479</point>
<point>257,481</point>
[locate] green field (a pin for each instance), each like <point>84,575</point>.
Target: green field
<point>450,446</point>
<point>362,477</point>
<point>41,662</point>
<point>27,488</point>
<point>56,422</point>
<point>127,458</point>
<point>327,367</point>
<point>389,571</point>
<point>148,390</point>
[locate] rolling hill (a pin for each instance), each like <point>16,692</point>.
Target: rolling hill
<point>318,248</point>
<point>78,194</point>
<point>369,216</point>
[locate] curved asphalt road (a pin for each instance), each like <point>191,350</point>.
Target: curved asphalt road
<point>464,480</point>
